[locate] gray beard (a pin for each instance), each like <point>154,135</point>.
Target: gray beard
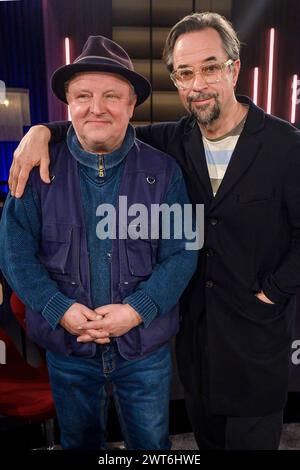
<point>202,116</point>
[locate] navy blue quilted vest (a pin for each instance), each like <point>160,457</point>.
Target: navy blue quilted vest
<point>64,251</point>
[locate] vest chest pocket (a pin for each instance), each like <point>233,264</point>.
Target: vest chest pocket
<point>141,256</point>
<point>58,250</point>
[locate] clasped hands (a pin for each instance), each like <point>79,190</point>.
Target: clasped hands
<point>101,324</point>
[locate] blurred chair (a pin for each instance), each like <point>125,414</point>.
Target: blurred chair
<point>18,309</point>
<point>25,390</point>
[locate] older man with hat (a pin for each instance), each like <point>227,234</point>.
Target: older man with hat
<point>102,304</point>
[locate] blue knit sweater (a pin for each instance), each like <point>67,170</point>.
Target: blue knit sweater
<point>20,233</point>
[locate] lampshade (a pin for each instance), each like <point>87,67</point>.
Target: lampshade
<point>14,114</point>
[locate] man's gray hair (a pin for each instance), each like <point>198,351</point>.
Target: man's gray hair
<point>198,22</point>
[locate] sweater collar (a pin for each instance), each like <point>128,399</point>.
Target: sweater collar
<point>91,160</point>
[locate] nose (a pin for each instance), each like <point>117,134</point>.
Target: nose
<point>97,106</point>
<point>199,83</point>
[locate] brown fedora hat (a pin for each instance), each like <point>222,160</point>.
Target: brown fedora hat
<point>101,54</point>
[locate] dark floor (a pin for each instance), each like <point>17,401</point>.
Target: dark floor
<point>31,435</point>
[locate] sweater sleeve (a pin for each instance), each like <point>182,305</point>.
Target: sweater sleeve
<point>20,232</point>
<point>175,263</point>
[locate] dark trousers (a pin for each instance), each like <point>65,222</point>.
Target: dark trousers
<point>232,433</point>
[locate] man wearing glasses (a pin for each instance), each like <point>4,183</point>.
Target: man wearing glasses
<point>238,310</point>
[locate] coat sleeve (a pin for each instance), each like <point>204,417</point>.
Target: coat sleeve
<point>58,130</point>
<point>157,135</point>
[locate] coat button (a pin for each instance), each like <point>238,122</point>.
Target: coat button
<point>213,222</point>
<point>209,284</point>
<point>210,252</point>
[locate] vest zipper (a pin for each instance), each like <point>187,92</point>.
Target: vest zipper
<point>101,169</point>
<point>77,258</point>
<point>109,255</point>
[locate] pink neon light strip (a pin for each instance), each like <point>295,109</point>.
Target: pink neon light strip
<point>67,50</point>
<point>271,65</point>
<point>255,85</point>
<point>294,99</point>
<point>67,61</point>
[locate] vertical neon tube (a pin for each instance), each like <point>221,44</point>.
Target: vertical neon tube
<point>294,99</point>
<point>67,61</point>
<point>271,65</point>
<point>67,51</point>
<point>255,85</point>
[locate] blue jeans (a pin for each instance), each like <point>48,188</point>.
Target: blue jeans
<point>141,390</point>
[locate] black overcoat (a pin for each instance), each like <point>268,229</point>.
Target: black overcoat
<point>232,347</point>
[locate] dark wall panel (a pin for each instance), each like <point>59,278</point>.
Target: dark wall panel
<point>76,19</point>
<point>22,62</point>
<point>253,20</point>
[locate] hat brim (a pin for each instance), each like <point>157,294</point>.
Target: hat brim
<point>141,85</point>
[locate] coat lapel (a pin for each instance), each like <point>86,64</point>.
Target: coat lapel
<point>244,154</point>
<point>196,161</point>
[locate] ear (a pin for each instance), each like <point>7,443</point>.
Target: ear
<point>236,71</point>
<point>132,105</point>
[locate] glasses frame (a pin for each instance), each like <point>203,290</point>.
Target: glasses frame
<point>225,64</point>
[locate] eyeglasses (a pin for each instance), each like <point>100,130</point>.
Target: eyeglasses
<point>211,72</point>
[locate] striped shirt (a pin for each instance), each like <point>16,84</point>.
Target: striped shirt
<point>218,153</point>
